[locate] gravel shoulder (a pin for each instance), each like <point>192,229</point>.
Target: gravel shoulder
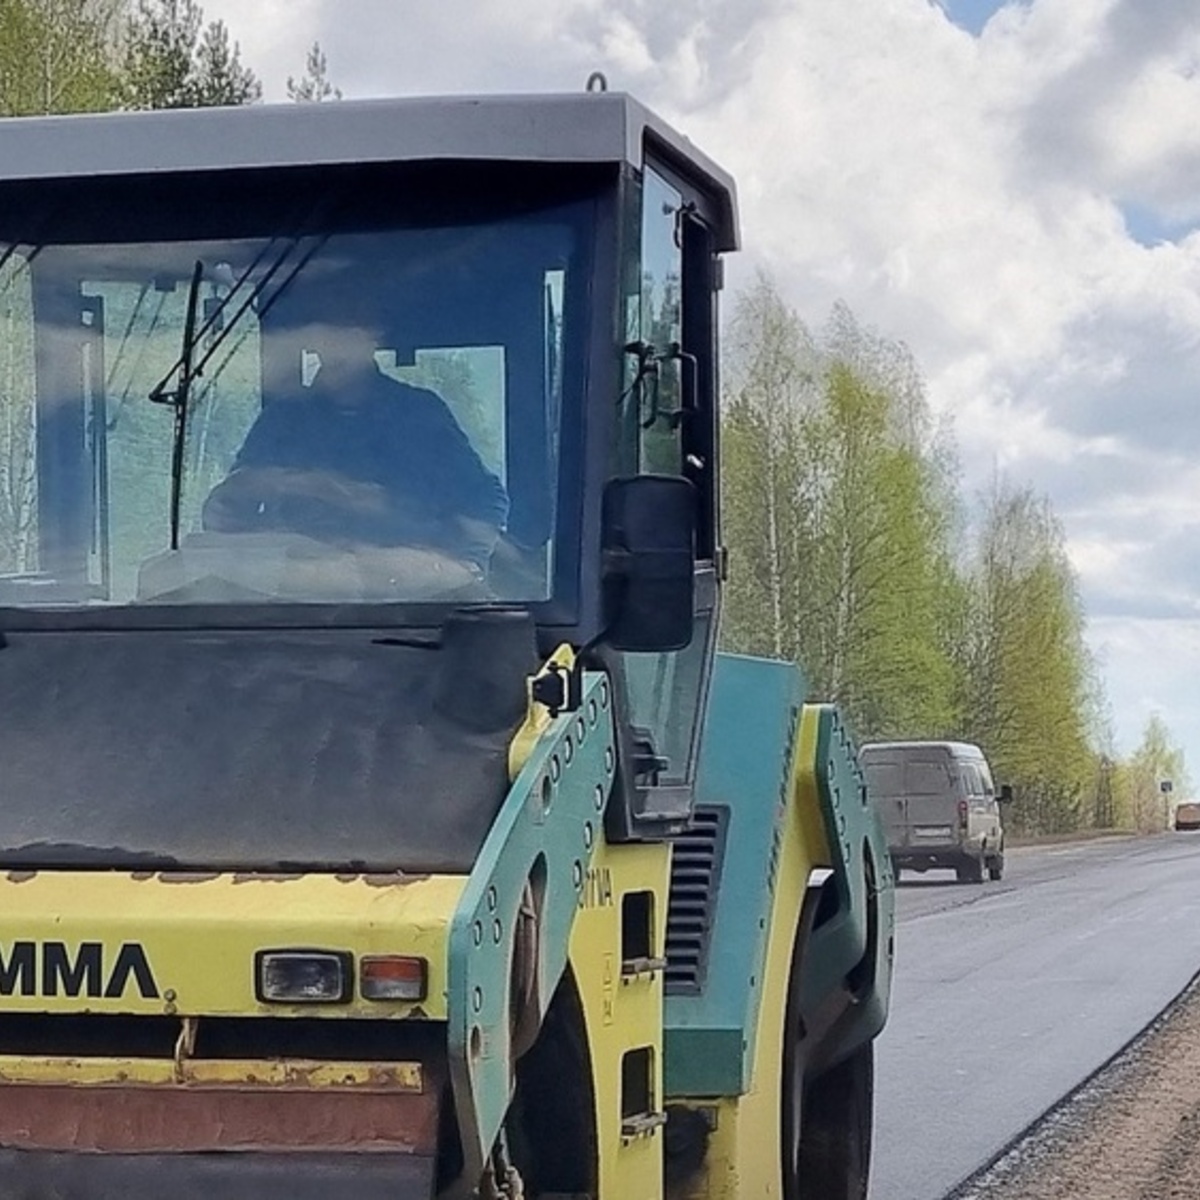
<point>1132,1132</point>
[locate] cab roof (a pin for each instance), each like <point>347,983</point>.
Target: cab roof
<point>605,127</point>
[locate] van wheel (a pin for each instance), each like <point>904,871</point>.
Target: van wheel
<point>835,1143</point>
<point>971,871</point>
<point>996,868</point>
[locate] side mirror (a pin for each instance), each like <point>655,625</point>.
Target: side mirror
<point>1006,793</point>
<point>649,571</point>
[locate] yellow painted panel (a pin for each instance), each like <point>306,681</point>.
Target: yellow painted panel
<point>276,1073</point>
<point>622,1013</point>
<point>67,932</point>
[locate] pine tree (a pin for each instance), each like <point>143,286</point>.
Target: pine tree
<point>173,60</point>
<point>313,86</point>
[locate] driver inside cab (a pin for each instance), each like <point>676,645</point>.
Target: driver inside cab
<point>361,461</point>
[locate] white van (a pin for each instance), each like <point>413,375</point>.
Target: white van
<point>939,806</point>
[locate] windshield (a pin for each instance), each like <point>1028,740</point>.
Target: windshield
<point>241,394</point>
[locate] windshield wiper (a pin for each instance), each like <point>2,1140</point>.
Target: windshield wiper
<point>218,325</point>
<point>256,293</point>
<point>178,399</point>
<point>187,368</point>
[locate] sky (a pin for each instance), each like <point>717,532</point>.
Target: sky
<point>1011,189</point>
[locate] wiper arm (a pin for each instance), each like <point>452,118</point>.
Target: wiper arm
<point>178,399</point>
<point>187,369</point>
<point>218,326</point>
<point>256,293</point>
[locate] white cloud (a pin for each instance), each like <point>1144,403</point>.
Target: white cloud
<point>1150,666</point>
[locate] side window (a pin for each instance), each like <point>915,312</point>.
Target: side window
<point>661,327</point>
<point>974,780</point>
<point>18,421</point>
<point>985,776</point>
<point>651,433</point>
<point>665,691</point>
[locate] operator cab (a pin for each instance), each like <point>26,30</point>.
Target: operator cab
<point>272,379</point>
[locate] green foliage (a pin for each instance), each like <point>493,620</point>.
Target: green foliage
<point>1140,801</point>
<point>1027,671</point>
<point>313,86</point>
<point>56,56</point>
<point>60,56</point>
<point>220,76</point>
<point>769,370</point>
<point>838,513</point>
<point>172,59</point>
<point>848,555</point>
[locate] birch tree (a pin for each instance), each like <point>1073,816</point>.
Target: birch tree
<point>56,56</point>
<point>770,368</point>
<point>838,514</point>
<point>1141,800</point>
<point>1028,680</point>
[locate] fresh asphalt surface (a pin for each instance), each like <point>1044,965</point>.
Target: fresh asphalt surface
<point>1007,995</point>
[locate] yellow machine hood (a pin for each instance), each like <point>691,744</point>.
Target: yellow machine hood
<point>142,943</point>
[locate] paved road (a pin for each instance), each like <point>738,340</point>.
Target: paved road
<point>1009,994</point>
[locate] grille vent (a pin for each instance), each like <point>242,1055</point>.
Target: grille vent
<point>695,873</point>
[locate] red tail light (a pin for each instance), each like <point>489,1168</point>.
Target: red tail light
<point>392,977</point>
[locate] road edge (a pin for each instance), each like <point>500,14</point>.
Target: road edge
<point>1042,1126</point>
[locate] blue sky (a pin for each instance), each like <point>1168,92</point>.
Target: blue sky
<point>971,15</point>
<point>1150,228</point>
<point>1020,206</point>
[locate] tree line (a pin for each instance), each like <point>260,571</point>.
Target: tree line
<point>64,56</point>
<point>854,554</point>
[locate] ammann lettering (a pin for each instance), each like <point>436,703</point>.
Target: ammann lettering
<point>597,890</point>
<point>55,969</point>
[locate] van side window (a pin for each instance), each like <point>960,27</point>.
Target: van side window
<point>989,788</point>
<point>972,780</point>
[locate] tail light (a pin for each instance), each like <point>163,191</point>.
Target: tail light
<point>392,977</point>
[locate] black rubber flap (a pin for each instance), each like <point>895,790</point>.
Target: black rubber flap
<point>255,750</point>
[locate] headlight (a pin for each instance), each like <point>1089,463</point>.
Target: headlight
<point>303,976</point>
